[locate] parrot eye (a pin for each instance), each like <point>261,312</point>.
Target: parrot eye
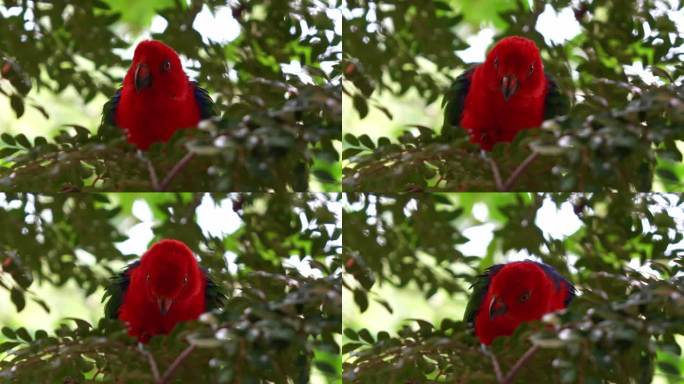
<point>496,62</point>
<point>524,297</point>
<point>166,66</point>
<point>531,69</point>
<point>185,280</point>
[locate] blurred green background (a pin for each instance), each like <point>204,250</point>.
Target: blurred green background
<point>410,260</point>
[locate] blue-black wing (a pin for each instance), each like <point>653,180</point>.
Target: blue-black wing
<point>557,278</point>
<point>116,291</point>
<point>556,102</point>
<point>213,294</point>
<point>108,127</point>
<point>479,287</point>
<point>204,101</point>
<point>454,103</point>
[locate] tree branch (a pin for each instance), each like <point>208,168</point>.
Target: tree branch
<point>169,372</point>
<point>175,171</point>
<point>154,180</point>
<point>519,364</point>
<point>496,172</point>
<point>495,363</point>
<point>519,171</point>
<point>151,361</point>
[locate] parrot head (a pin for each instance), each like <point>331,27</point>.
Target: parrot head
<point>156,68</point>
<point>171,274</point>
<point>515,67</point>
<point>520,291</point>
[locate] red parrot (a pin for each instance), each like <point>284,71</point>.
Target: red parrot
<point>508,93</point>
<point>509,294</point>
<point>156,98</point>
<point>166,286</point>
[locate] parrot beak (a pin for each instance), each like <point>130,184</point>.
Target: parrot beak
<point>509,85</point>
<point>496,308</point>
<point>143,77</point>
<point>164,305</point>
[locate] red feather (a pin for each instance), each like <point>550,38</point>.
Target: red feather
<point>487,115</point>
<point>155,111</point>
<point>167,271</point>
<point>518,292</point>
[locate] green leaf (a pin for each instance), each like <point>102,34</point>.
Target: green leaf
<point>366,141</point>
<point>324,176</point>
<point>24,335</point>
<point>350,152</point>
<point>668,368</point>
<point>9,333</point>
<point>351,139</point>
<point>8,139</point>
<point>17,297</point>
<point>40,334</point>
<point>349,333</point>
<point>350,347</point>
<point>39,140</point>
<point>361,299</point>
<point>667,174</point>
<point>361,105</point>
<point>7,152</point>
<point>6,346</point>
<point>23,141</point>
<point>365,335</point>
<point>17,104</point>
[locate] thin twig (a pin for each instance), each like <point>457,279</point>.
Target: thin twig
<point>518,171</point>
<point>175,170</point>
<point>154,180</point>
<point>495,363</point>
<point>169,372</point>
<point>495,171</point>
<point>150,360</point>
<point>519,364</point>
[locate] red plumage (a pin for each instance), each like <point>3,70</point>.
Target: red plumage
<point>519,292</point>
<point>157,99</point>
<point>167,278</point>
<point>506,93</point>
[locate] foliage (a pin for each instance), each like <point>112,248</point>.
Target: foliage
<point>621,328</point>
<point>277,325</point>
<point>622,133</point>
<point>277,130</point>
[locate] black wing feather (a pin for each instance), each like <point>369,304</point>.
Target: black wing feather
<point>479,287</point>
<point>108,128</point>
<point>206,104</point>
<point>556,103</point>
<point>454,103</point>
<point>557,278</point>
<point>117,290</point>
<point>214,296</point>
